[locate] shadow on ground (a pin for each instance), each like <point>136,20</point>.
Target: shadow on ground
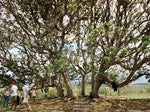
<point>108,104</point>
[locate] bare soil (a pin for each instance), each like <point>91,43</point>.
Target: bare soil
<point>108,104</point>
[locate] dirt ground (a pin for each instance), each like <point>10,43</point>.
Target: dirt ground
<point>108,104</point>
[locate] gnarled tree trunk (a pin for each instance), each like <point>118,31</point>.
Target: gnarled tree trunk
<point>67,83</point>
<point>92,81</point>
<point>98,82</point>
<point>60,89</point>
<point>83,86</point>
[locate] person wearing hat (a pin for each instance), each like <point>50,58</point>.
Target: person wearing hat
<point>14,93</point>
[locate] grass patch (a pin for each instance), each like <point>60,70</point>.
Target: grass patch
<point>131,91</point>
<point>1,104</point>
<point>137,96</point>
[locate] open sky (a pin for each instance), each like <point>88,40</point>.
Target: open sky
<point>141,80</point>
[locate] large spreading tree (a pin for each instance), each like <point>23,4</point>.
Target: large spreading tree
<point>100,40</point>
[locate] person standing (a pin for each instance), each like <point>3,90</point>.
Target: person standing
<point>26,89</point>
<point>14,93</point>
<point>6,97</point>
<point>34,93</point>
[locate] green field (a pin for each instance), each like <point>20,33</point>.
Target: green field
<point>130,91</point>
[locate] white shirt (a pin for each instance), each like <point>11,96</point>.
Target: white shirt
<point>14,90</point>
<point>33,92</point>
<point>25,89</point>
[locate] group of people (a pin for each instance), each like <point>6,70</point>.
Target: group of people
<point>16,98</point>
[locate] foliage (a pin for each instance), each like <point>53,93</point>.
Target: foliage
<point>73,40</point>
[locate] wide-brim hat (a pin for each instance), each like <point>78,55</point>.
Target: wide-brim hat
<point>13,82</point>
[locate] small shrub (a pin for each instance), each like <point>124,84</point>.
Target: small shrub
<point>52,93</point>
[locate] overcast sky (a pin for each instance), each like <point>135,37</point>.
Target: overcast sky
<point>141,80</point>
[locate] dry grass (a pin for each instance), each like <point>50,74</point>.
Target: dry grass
<point>130,91</point>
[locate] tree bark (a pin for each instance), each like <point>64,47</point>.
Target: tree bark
<point>92,81</point>
<point>67,84</point>
<point>98,83</point>
<point>60,89</point>
<point>58,84</point>
<point>83,86</point>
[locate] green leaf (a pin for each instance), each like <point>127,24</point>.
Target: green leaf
<point>146,51</point>
<point>134,49</point>
<point>117,58</point>
<point>61,63</point>
<point>146,38</point>
<point>106,59</point>
<point>89,51</point>
<point>73,6</point>
<point>145,44</point>
<point>112,50</point>
<point>123,53</point>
